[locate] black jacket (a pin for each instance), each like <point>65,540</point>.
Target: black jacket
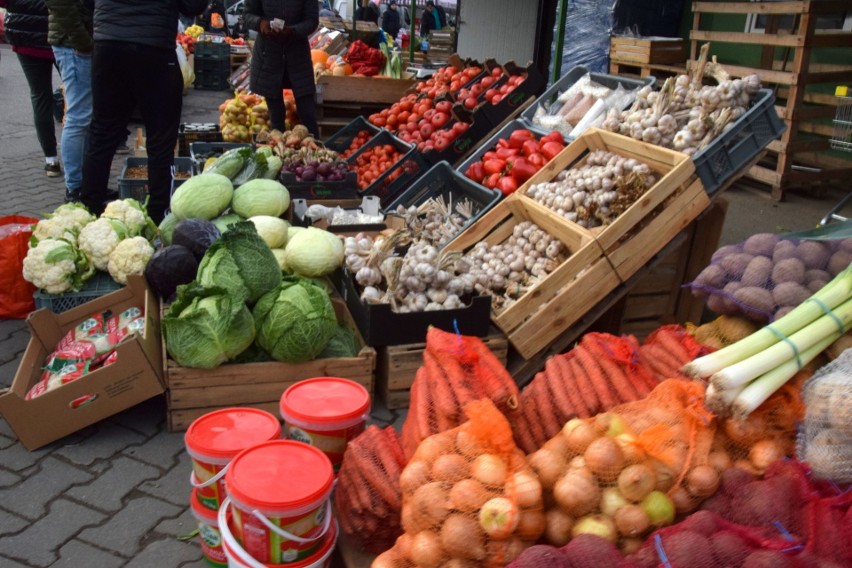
<point>26,24</point>
<point>390,22</point>
<point>148,22</point>
<point>277,64</point>
<point>368,13</point>
<point>71,23</point>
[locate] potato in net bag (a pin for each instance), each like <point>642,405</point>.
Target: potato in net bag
<point>468,497</point>
<point>825,434</point>
<point>629,470</point>
<point>766,276</point>
<point>457,369</point>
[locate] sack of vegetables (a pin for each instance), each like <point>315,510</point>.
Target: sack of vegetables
<point>468,497</point>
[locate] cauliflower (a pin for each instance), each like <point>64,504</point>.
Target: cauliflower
<point>65,222</point>
<point>132,214</point>
<point>98,239</point>
<point>56,266</point>
<point>130,256</point>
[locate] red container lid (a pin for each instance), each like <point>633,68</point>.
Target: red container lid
<point>224,433</point>
<point>279,475</point>
<point>209,515</point>
<point>325,400</point>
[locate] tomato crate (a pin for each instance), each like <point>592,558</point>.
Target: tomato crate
<point>397,365</point>
<point>342,139</point>
<point>442,181</point>
<point>653,220</point>
<point>346,188</point>
<point>518,99</point>
<point>397,178</point>
<point>194,392</point>
<point>190,132</point>
<point>465,142</point>
<point>558,300</point>
<point>137,188</point>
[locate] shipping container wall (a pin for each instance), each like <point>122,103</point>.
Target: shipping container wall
<point>502,29</point>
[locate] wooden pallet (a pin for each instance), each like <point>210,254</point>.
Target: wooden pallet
<point>648,50</point>
<point>397,365</point>
<point>194,392</point>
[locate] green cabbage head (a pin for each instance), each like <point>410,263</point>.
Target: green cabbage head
<point>295,321</point>
<point>240,262</point>
<point>205,327</point>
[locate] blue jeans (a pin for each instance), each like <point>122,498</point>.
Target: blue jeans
<point>76,72</point>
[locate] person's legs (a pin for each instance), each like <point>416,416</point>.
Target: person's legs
<point>112,103</point>
<point>306,107</point>
<point>277,112</point>
<point>39,74</point>
<point>76,72</point>
<point>158,85</point>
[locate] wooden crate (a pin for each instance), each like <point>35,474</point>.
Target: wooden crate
<point>560,299</point>
<point>354,89</point>
<point>397,365</point>
<point>647,50</point>
<point>194,392</point>
<point>237,59</point>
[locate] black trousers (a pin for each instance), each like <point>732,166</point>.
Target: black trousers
<point>39,74</point>
<point>306,107</point>
<point>125,75</point>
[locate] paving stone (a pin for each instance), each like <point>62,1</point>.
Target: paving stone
<point>108,440</point>
<point>38,544</point>
<point>168,552</point>
<point>180,525</point>
<point>161,450</point>
<point>174,485</point>
<point>126,529</point>
<point>30,497</point>
<point>9,326</point>
<point>76,553</point>
<point>11,523</point>
<point>8,478</point>
<point>16,342</point>
<point>7,562</point>
<point>108,490</point>
<point>148,418</point>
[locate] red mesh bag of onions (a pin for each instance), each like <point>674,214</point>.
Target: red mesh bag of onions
<point>766,276</point>
<point>456,370</point>
<point>630,470</point>
<point>469,499</point>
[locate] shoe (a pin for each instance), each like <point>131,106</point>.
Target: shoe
<point>53,170</point>
<point>72,196</point>
<point>123,149</point>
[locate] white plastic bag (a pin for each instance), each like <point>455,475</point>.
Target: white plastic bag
<point>185,66</point>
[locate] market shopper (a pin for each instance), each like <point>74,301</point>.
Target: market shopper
<point>367,12</point>
<point>26,30</point>
<point>134,63</point>
<point>70,35</point>
<point>390,20</point>
<point>434,18</point>
<point>282,56</point>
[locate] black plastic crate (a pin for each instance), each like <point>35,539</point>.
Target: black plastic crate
<point>190,132</point>
<point>199,152</point>
<point>211,46</point>
<point>479,128</point>
<point>340,140</point>
<point>519,98</point>
<point>442,180</point>
<point>397,178</point>
<point>99,284</point>
<point>346,188</point>
<point>211,81</point>
<point>137,188</point>
<point>740,143</point>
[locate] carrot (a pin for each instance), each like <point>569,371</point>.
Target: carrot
<point>530,410</point>
<point>358,490</point>
<point>394,446</point>
<point>387,458</point>
<point>584,386</point>
<point>569,385</point>
<point>443,392</point>
<point>669,337</point>
<point>556,386</point>
<point>500,383</point>
<point>376,479</point>
<point>550,422</point>
<point>618,379</point>
<point>523,434</point>
<point>665,366</point>
<point>597,378</point>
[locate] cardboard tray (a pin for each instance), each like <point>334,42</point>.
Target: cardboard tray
<point>135,377</point>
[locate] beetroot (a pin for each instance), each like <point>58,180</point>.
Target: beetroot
<point>767,559</point>
<point>701,522</point>
<point>687,549</point>
<point>540,556</point>
<point>729,548</point>
<point>589,551</point>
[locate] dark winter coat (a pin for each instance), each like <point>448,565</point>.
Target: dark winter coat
<point>26,24</point>
<point>71,23</point>
<point>278,64</point>
<point>390,22</point>
<point>368,13</point>
<point>148,22</point>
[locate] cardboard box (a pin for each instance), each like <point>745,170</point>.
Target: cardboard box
<point>136,375</point>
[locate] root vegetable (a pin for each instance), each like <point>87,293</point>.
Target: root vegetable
<point>683,501</point>
<point>415,474</point>
<point>499,517</point>
<point>531,525</point>
<point>636,481</point>
<point>525,489</point>
<point>702,481</point>
<point>490,470</point>
<point>548,466</point>
<point>426,549</point>
<point>764,452</point>
<point>631,521</point>
<point>558,525</point>
<point>659,508</point>
<point>576,493</point>
<point>604,458</point>
<point>611,501</point>
<point>450,467</point>
<point>462,537</point>
<point>597,525</point>
<point>432,447</point>
<point>628,546</point>
<point>789,270</point>
<point>579,435</point>
<point>719,460</point>
<point>467,444</point>
<point>431,504</point>
<point>468,495</point>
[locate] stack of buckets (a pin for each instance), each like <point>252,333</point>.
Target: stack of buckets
<point>262,501</point>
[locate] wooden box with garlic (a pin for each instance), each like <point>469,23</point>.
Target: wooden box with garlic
<point>630,197</point>
<point>543,275</point>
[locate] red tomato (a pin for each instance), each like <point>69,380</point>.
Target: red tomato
<point>518,137</point>
<point>487,81</point>
<point>494,166</point>
<point>490,94</point>
<point>516,80</point>
<point>489,155</point>
<point>497,72</point>
<point>444,106</point>
<point>441,143</point>
<point>506,153</point>
<point>476,90</point>
<point>426,129</point>
<point>554,136</point>
<point>522,170</point>
<point>551,149</point>
<point>460,127</point>
<point>439,119</point>
<point>507,185</point>
<point>470,103</point>
<point>537,160</point>
<point>429,114</point>
<point>475,171</point>
<point>529,147</point>
<point>492,180</point>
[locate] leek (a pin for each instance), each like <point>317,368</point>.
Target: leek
<point>831,295</point>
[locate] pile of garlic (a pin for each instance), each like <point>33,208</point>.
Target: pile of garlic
<point>437,220</point>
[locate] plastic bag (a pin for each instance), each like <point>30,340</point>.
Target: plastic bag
<point>186,68</point>
<point>16,294</point>
<point>468,497</point>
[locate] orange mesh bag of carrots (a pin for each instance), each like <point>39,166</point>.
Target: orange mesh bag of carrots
<point>469,499</point>
<point>601,371</point>
<point>456,369</point>
<point>368,499</point>
<point>669,348</point>
<point>630,470</point>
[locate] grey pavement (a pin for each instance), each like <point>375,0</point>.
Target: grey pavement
<point>116,493</point>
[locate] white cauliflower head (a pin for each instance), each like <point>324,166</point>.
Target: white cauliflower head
<point>98,239</point>
<point>132,214</point>
<point>65,222</point>
<point>56,266</point>
<point>130,256</point>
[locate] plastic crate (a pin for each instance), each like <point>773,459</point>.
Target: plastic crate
<point>519,98</point>
<point>96,286</point>
<point>200,151</point>
<point>740,144</point>
<point>211,81</point>
<point>212,72</point>
<point>137,188</point>
<point>212,46</point>
<point>399,176</point>
<point>441,180</point>
<point>465,142</point>
<point>574,75</point>
<point>346,188</point>
<point>340,140</point>
<point>190,132</point>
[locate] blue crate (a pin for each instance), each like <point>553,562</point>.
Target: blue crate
<point>95,287</point>
<point>740,144</point>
